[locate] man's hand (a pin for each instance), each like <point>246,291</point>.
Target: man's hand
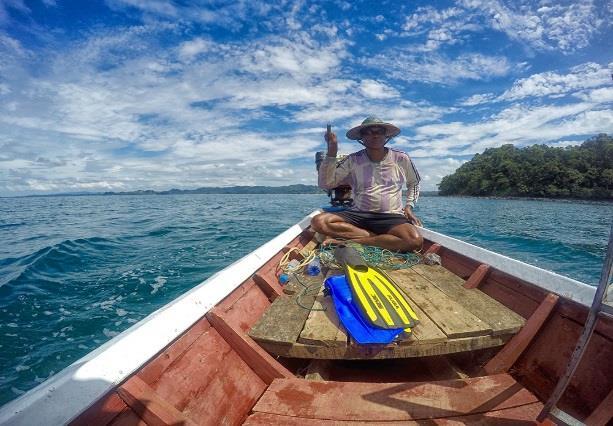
<point>332,144</point>
<point>408,213</point>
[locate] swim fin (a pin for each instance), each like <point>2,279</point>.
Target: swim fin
<point>361,330</point>
<point>379,299</point>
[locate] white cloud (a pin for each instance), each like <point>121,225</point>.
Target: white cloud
<point>545,25</point>
<point>440,27</point>
<point>231,16</point>
<point>478,99</point>
<point>566,25</point>
<point>156,7</point>
<point>551,83</point>
<point>424,17</point>
<point>520,125</point>
<point>433,169</point>
<point>377,90</point>
<point>578,82</point>
<point>158,118</point>
<point>301,57</point>
<point>598,96</point>
<point>188,50</point>
<point>438,69</point>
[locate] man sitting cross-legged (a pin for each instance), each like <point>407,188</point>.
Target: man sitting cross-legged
<point>376,175</point>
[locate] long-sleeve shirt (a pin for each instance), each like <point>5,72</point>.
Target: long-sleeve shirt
<point>377,186</point>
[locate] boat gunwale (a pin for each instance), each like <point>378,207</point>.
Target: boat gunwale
<point>566,287</point>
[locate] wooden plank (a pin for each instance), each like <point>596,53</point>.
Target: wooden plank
<point>392,401</point>
<point>213,369</point>
<point>284,319</point>
<point>433,249</point>
<point>416,349</point>
<point>318,369</point>
<point>501,319</point>
<point>269,285</point>
<point>237,294</point>
<point>586,334</point>
<point>102,412</point>
<point>247,310</point>
<point>154,369</point>
<point>512,350</point>
<point>603,414</point>
<point>127,418</point>
<point>148,404</point>
<point>264,365</point>
<point>323,326</point>
<point>477,277</point>
<point>309,247</point>
<point>458,264</point>
<point>228,399</point>
<point>442,368</point>
<point>522,415</point>
<point>558,337</point>
<point>449,315</point>
<point>426,331</point>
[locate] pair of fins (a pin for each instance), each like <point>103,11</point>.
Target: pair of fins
<point>377,297</point>
<point>361,330</point>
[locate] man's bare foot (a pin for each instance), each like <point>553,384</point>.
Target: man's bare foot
<point>330,241</point>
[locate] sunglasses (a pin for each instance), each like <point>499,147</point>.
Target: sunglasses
<point>378,131</point>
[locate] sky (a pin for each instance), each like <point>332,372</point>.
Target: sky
<point>122,95</point>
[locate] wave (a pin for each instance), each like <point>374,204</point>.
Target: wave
<point>12,225</point>
<point>54,262</point>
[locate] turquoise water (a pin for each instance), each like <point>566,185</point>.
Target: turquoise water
<point>76,271</point>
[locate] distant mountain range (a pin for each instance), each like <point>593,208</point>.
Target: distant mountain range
<point>288,189</point>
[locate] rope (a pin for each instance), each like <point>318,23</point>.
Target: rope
<point>373,256</point>
<point>305,292</point>
<point>285,260</point>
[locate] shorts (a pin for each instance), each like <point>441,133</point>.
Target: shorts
<point>379,223</point>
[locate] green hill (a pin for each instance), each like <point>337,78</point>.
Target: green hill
<point>584,171</point>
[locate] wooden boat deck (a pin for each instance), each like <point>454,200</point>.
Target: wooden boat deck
<point>452,319</point>
<point>474,400</point>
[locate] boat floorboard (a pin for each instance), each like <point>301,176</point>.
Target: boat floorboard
<point>303,324</point>
<point>479,398</point>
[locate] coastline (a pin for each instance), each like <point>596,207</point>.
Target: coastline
<point>565,199</point>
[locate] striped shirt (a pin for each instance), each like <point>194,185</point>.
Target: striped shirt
<point>377,186</point>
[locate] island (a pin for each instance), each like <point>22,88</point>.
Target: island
<point>541,171</point>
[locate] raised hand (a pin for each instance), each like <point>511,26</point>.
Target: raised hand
<point>332,142</point>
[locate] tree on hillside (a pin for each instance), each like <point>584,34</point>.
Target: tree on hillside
<point>584,171</point>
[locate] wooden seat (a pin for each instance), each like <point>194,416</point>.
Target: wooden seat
<point>452,319</point>
<point>498,397</point>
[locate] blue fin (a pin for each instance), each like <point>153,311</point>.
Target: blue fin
<point>351,318</point>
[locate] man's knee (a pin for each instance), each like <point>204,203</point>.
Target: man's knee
<point>317,222</point>
<point>416,242</point>
<point>411,238</point>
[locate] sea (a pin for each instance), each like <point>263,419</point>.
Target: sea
<point>77,270</point>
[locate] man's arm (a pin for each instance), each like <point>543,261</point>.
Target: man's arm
<point>330,175</point>
<point>413,179</point>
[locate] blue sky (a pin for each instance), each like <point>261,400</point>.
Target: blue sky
<point>159,94</point>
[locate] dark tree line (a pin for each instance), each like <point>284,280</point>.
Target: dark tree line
<point>584,171</point>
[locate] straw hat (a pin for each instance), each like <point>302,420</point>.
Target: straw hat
<point>356,133</point>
